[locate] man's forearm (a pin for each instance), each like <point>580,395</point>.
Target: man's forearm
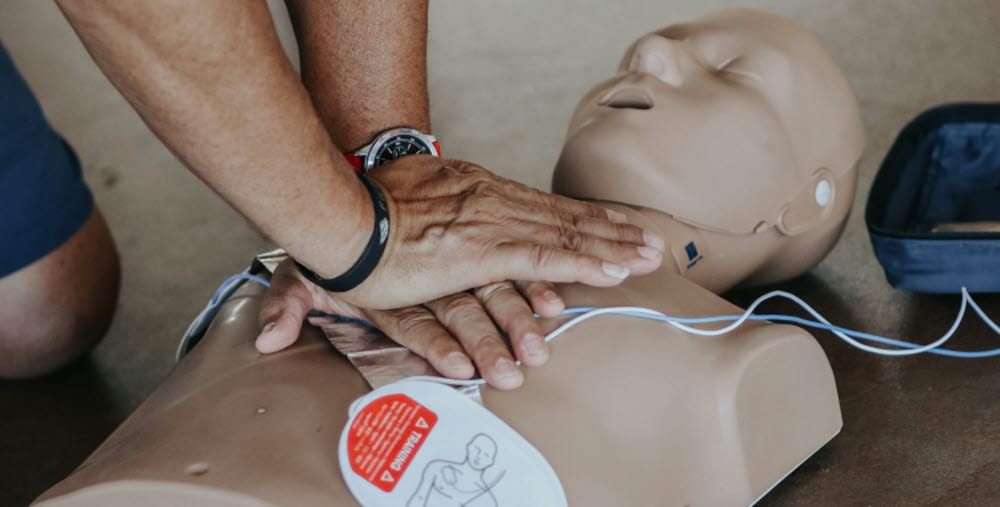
<point>210,79</point>
<point>364,64</point>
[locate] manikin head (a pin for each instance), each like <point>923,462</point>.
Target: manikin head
<point>737,124</point>
<point>481,452</point>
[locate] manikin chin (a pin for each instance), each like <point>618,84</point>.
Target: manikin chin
<point>737,137</point>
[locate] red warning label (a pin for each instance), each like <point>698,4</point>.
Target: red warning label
<point>385,436</point>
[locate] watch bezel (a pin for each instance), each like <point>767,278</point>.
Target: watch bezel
<point>388,135</point>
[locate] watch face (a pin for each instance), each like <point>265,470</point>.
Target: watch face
<point>398,147</point>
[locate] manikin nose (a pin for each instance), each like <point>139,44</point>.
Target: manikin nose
<point>666,59</point>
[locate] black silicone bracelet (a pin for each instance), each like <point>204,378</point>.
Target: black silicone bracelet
<point>369,257</point>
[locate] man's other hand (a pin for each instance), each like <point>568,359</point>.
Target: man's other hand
<point>458,334</point>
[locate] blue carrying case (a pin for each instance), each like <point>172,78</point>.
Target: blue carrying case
<point>933,213</point>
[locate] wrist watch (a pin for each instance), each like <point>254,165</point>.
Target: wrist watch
<point>393,144</point>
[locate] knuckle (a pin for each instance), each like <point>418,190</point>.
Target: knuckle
<point>464,167</point>
<point>541,256</point>
<point>629,233</point>
<point>412,321</point>
<point>570,239</point>
<point>489,293</point>
<point>487,187</point>
<point>459,305</point>
<point>570,221</point>
<point>545,199</point>
<point>450,168</point>
<point>593,210</point>
<point>434,232</point>
<point>465,174</point>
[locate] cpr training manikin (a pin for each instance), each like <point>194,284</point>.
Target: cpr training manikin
<point>737,137</point>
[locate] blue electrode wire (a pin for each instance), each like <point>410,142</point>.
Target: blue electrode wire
<point>903,348</point>
<point>200,323</point>
<point>230,286</point>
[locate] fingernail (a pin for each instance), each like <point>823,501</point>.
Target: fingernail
<point>650,253</point>
<point>457,360</point>
<point>616,217</point>
<point>552,297</point>
<point>616,271</point>
<point>533,345</point>
<point>262,341</point>
<point>654,240</point>
<point>506,369</point>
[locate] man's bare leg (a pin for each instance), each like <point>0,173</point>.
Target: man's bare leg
<point>58,307</point>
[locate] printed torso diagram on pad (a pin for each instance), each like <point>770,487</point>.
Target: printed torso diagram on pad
<point>468,483</point>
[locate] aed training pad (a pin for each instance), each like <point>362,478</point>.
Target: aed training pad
<point>933,213</point>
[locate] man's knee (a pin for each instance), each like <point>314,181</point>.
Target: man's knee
<point>42,343</point>
<point>60,306</point>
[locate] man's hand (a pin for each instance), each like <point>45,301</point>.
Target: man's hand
<point>446,331</point>
<point>456,226</point>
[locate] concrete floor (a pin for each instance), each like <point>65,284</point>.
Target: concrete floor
<point>504,78</point>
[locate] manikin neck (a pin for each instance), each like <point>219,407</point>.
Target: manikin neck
<point>723,260</point>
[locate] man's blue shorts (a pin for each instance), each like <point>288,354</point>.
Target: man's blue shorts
<point>43,199</point>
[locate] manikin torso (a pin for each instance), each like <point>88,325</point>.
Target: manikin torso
<point>627,411</point>
<point>654,417</point>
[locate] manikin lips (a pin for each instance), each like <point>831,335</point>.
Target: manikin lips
<point>627,98</point>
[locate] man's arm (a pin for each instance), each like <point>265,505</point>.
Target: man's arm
<point>210,79</point>
<point>364,64</point>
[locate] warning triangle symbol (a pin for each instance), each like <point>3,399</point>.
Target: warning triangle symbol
<point>387,477</point>
<point>421,423</point>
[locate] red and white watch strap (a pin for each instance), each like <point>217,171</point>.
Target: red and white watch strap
<point>355,161</point>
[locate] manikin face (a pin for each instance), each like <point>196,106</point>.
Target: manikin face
<point>720,122</point>
<point>481,452</point>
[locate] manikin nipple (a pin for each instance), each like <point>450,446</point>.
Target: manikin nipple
<point>666,59</point>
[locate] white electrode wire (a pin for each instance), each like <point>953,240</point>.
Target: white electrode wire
<point>640,312</point>
<point>900,348</point>
<point>673,321</point>
<point>636,311</point>
<point>805,306</point>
